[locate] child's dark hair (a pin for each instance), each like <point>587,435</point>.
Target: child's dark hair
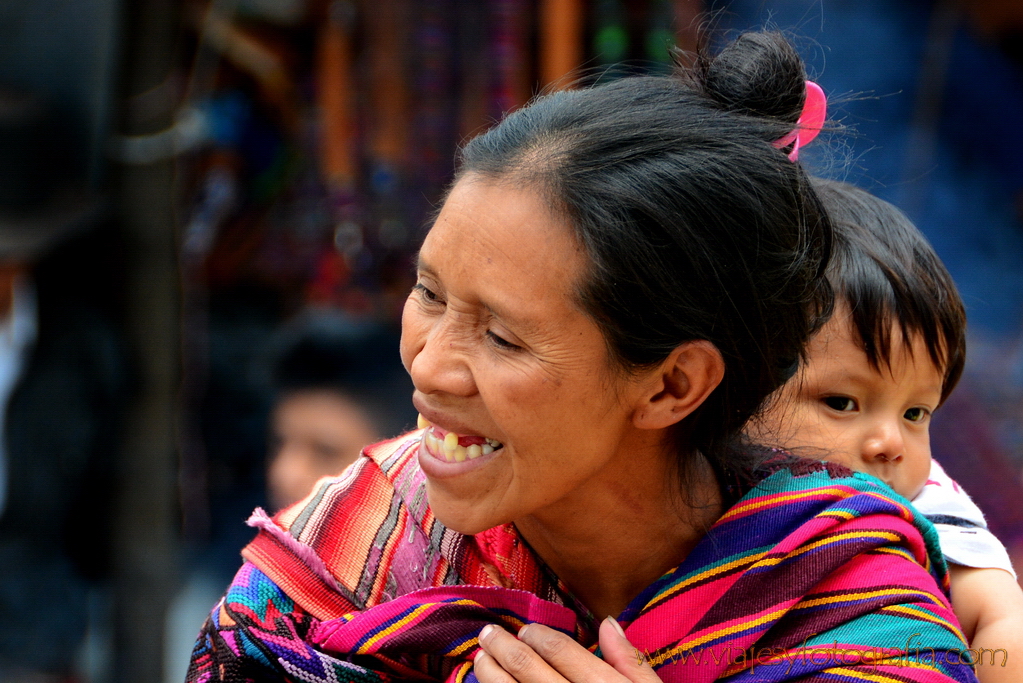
<point>697,227</point>
<point>888,274</point>
<point>329,353</point>
<point>325,351</point>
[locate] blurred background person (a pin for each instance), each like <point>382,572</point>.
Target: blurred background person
<point>335,384</point>
<point>338,388</point>
<point>62,390</point>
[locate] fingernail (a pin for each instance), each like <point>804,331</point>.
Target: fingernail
<point>616,626</point>
<point>521,631</point>
<point>487,630</point>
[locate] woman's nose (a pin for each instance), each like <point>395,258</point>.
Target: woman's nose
<point>883,444</point>
<point>439,362</point>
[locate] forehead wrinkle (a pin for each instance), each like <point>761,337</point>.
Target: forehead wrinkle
<point>520,324</point>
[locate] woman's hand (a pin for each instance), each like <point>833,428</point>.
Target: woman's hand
<point>543,655</point>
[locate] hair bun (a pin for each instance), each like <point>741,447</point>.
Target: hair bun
<point>760,73</point>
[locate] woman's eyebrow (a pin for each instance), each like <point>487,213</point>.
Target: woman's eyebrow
<point>503,315</point>
<point>422,266</point>
<point>496,311</point>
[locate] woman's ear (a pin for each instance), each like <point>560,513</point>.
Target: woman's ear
<point>680,385</point>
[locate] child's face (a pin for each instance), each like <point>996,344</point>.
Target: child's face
<point>841,409</point>
<point>316,433</point>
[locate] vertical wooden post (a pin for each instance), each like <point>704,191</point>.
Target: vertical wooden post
<point>335,94</point>
<point>688,15</point>
<point>146,538</point>
<point>388,87</point>
<point>561,39</point>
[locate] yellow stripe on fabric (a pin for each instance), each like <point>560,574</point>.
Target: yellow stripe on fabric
<point>876,676</point>
<point>901,552</point>
<point>759,560</point>
<point>841,514</point>
<point>776,499</point>
<point>463,647</point>
<point>398,625</point>
<point>848,597</point>
<point>808,653</point>
<point>901,662</point>
<point>827,541</point>
<point>925,616</point>
<point>906,514</point>
<point>517,623</point>
<point>704,574</point>
<point>462,672</point>
<point>681,647</point>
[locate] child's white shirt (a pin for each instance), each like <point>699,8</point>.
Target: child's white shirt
<point>962,530</point>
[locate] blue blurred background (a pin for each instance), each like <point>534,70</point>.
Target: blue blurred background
<point>194,193</point>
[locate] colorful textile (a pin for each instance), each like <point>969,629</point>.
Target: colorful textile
<point>962,529</point>
<point>814,574</point>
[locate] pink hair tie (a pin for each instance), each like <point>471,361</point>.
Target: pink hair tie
<point>811,120</point>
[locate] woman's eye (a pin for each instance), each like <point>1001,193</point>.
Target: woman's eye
<point>840,403</point>
<point>501,341</point>
<point>915,414</point>
<point>426,294</point>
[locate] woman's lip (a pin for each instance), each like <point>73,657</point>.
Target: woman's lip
<point>432,459</point>
<point>436,418</point>
<point>442,422</point>
<point>435,466</point>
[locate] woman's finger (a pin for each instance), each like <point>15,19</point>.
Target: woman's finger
<point>514,657</point>
<point>487,669</point>
<point>574,662</point>
<point>622,655</point>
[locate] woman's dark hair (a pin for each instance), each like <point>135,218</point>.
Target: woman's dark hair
<point>696,225</point>
<point>887,273</point>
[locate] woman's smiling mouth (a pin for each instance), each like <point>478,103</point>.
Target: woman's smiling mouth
<point>453,447</point>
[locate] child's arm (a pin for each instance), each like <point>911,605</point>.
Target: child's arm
<point>989,605</point>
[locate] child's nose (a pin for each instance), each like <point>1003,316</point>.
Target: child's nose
<point>885,444</point>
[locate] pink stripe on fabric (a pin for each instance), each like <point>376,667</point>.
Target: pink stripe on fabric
<point>343,635</point>
<point>260,520</point>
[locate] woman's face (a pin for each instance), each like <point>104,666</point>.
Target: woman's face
<point>508,369</point>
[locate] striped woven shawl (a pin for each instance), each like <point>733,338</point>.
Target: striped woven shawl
<point>815,574</point>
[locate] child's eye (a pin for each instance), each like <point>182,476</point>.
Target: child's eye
<point>501,341</point>
<point>916,414</point>
<point>840,403</point>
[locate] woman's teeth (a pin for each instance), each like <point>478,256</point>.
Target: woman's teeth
<point>451,449</point>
